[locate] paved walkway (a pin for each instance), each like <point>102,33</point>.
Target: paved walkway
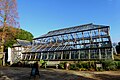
<point>16,73</point>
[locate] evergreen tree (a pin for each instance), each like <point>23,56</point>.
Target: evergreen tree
<point>118,48</point>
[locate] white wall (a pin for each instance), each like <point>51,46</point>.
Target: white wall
<point>9,54</point>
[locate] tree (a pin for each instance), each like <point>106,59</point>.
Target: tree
<point>8,17</point>
<point>118,48</point>
<point>24,35</point>
<point>10,39</point>
<point>18,34</point>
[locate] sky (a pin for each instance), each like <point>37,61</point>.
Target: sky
<point>42,16</point>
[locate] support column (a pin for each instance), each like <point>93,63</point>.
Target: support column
<point>62,55</point>
<point>89,54</point>
<point>25,56</point>
<point>41,55</point>
<point>90,38</point>
<point>75,41</point>
<point>21,56</point>
<point>11,62</point>
<point>79,55</point>
<point>99,54</point>
<point>35,56</point>
<point>105,54</point>
<point>48,55</point>
<point>70,55</point>
<point>54,55</point>
<point>83,39</point>
<point>108,31</point>
<point>112,54</point>
<point>29,57</point>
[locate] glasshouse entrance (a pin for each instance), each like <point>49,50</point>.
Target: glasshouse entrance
<point>84,42</point>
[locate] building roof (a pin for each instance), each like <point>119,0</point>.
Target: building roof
<point>71,30</point>
<point>22,43</point>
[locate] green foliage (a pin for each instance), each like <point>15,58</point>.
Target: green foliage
<point>73,66</point>
<point>99,69</point>
<point>24,35</point>
<point>117,63</point>
<point>85,65</point>
<point>9,43</point>
<point>43,63</point>
<point>79,66</point>
<point>91,65</point>
<point>118,48</point>
<point>14,33</point>
<point>109,65</point>
<point>61,65</point>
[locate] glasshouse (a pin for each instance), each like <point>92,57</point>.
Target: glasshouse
<point>83,42</point>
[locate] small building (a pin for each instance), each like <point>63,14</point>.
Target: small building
<point>15,53</point>
<point>83,42</point>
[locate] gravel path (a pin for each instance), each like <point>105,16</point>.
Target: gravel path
<point>16,73</point>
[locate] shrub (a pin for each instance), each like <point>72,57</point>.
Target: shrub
<point>61,65</point>
<point>43,63</point>
<point>74,67</point>
<point>79,65</point>
<point>92,65</point>
<point>117,63</point>
<point>85,65</point>
<point>118,66</point>
<point>109,65</point>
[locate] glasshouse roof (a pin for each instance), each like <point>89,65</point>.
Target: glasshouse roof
<point>22,43</point>
<point>72,30</point>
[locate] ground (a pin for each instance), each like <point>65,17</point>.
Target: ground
<point>18,73</point>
